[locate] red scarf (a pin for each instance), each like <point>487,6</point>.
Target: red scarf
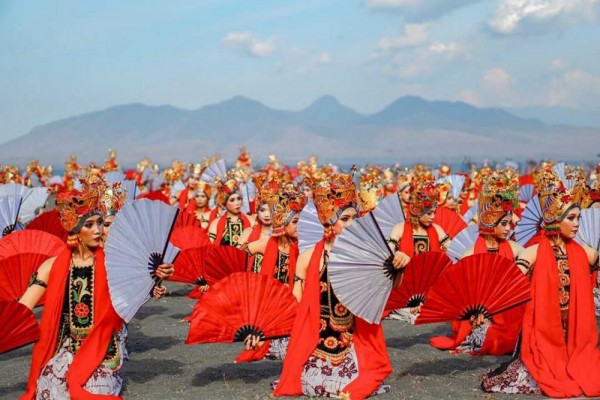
<point>373,361</point>
<point>501,337</point>
<point>93,350</point>
<point>268,268</point>
<point>223,223</point>
<point>561,369</point>
<point>407,244</point>
<point>253,237</point>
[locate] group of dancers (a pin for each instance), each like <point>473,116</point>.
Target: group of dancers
<point>285,222</point>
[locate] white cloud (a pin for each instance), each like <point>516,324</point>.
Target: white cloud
<point>324,58</point>
<point>249,44</point>
<point>418,10</point>
<point>497,79</point>
<point>414,35</point>
<point>512,14</point>
<point>575,89</point>
<point>426,60</point>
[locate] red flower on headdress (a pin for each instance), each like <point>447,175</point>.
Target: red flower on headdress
<point>506,206</point>
<point>82,210</point>
<point>427,203</point>
<point>566,198</point>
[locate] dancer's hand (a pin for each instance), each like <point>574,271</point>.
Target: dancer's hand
<point>164,271</point>
<point>477,320</point>
<point>159,292</point>
<point>253,342</point>
<point>400,260</point>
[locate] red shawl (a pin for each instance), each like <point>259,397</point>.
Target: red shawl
<point>501,337</point>
<point>561,369</point>
<point>183,201</point>
<point>373,361</point>
<point>93,350</point>
<point>268,268</point>
<point>253,237</point>
<point>223,223</point>
<point>407,244</point>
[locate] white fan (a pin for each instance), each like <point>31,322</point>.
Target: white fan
<point>131,189</point>
<point>213,171</point>
<point>114,177</point>
<point>138,243</point>
<point>14,189</point>
<point>177,187</point>
<point>456,182</point>
<point>55,180</point>
<point>35,180</point>
<point>310,229</point>
<point>559,170</point>
<point>248,190</point>
<point>31,204</point>
<point>360,269</point>
<point>389,213</point>
<point>471,213</point>
<point>526,192</point>
<point>461,242</point>
<point>156,182</point>
<point>589,228</point>
<point>9,212</point>
<point>530,222</point>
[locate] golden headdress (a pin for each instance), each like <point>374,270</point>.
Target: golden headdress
<point>226,186</point>
<point>244,160</point>
<point>267,191</point>
<point>112,198</point>
<point>75,206</point>
<point>405,178</point>
<point>593,194</point>
<point>558,196</point>
<point>370,191</point>
<point>204,187</point>
<point>424,196</point>
<point>286,203</point>
<point>498,197</point>
<point>332,196</point>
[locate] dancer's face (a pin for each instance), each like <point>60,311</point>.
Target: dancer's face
<point>307,192</point>
<point>201,199</point>
<point>264,215</point>
<point>234,203</point>
<point>91,231</point>
<point>405,194</point>
<point>427,219</point>
<point>291,229</point>
<point>345,220</point>
<point>108,221</point>
<point>570,224</point>
<point>501,230</point>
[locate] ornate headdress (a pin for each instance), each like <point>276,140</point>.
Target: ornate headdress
<point>424,197</point>
<point>558,196</point>
<point>593,194</point>
<point>112,198</point>
<point>284,205</point>
<point>332,196</point>
<point>498,197</point>
<point>370,192</point>
<point>204,187</point>
<point>244,160</point>
<point>197,170</point>
<point>405,178</point>
<point>267,191</point>
<point>226,187</point>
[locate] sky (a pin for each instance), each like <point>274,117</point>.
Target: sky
<point>63,58</point>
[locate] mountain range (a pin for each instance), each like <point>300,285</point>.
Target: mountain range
<point>407,130</point>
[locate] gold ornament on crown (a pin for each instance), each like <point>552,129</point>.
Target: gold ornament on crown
<point>333,195</point>
<point>284,204</point>
<point>225,187</point>
<point>498,197</point>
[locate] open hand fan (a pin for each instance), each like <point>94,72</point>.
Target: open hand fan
<point>360,269</point>
<point>157,195</point>
<point>420,274</point>
<point>34,181</point>
<point>31,205</point>
<point>471,212</point>
<point>185,219</point>
<point>450,221</point>
<point>559,170</point>
<point>482,283</point>
<point>49,222</point>
<point>310,229</point>
<point>14,189</point>
<point>189,236</point>
<point>461,242</point>
<point>137,244</point>
<point>213,171</point>
<point>19,326</point>
<point>10,206</point>
<point>248,190</point>
<point>131,190</point>
<point>240,305</point>
<point>222,261</point>
<point>177,188</point>
<point>589,228</point>
<point>189,266</point>
<point>530,222</point>
<point>526,193</point>
<point>114,177</point>
<point>456,183</point>
<point>388,214</point>
<point>21,254</point>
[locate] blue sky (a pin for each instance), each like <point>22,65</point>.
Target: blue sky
<point>63,58</point>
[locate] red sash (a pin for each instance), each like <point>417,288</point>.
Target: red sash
<point>223,223</point>
<point>93,350</point>
<point>561,369</point>
<point>407,244</point>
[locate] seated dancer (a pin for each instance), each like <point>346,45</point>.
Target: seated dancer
<point>202,211</point>
<point>185,198</point>
<point>417,236</point>
<point>227,229</point>
<point>80,350</point>
<point>280,256</point>
<point>558,355</point>
<point>497,201</point>
<point>331,352</point>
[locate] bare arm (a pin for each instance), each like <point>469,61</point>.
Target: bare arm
<point>527,258</point>
<point>34,293</point>
<point>300,277</point>
<point>444,243</point>
<point>212,230</point>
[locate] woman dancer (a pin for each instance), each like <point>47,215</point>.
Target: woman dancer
<point>558,354</point>
<point>331,352</point>
<point>226,230</point>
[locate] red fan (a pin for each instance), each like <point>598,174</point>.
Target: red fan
<point>422,271</point>
<point>49,222</point>
<point>21,254</point>
<point>186,219</point>
<point>189,266</point>
<point>449,220</point>
<point>189,237</point>
<point>157,195</point>
<point>482,283</point>
<point>222,261</point>
<point>19,326</point>
<point>240,305</point>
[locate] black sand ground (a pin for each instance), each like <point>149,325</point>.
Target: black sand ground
<point>161,366</point>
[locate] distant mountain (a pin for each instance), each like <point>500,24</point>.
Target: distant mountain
<point>560,116</point>
<point>408,129</point>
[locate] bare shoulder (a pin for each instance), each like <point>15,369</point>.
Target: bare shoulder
<point>529,254</point>
<point>303,260</point>
<point>516,248</point>
<point>397,231</point>
<point>44,269</point>
<point>439,230</point>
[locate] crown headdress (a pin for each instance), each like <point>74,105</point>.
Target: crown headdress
<point>286,203</point>
<point>499,196</point>
<point>332,196</point>
<point>74,205</point>
<point>225,187</point>
<point>370,192</point>
<point>112,198</point>
<point>424,197</point>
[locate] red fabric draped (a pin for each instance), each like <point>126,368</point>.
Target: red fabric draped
<point>253,237</point>
<point>501,337</point>
<point>93,350</point>
<point>373,361</point>
<point>561,369</point>
<point>407,244</point>
<point>223,223</point>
